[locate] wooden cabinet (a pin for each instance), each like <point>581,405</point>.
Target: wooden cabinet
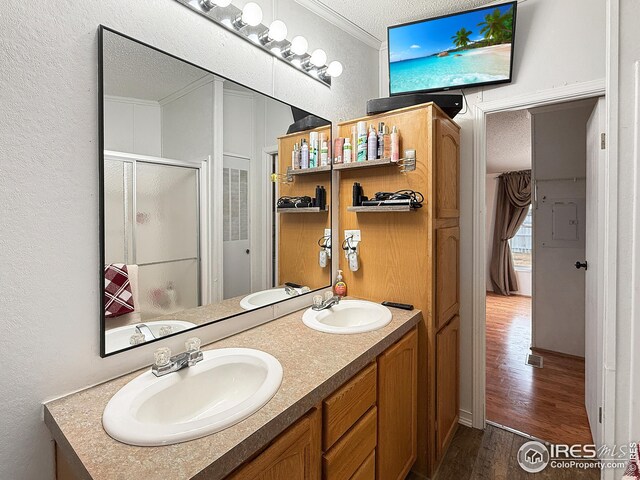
<point>294,455</point>
<point>447,388</point>
<point>397,409</point>
<point>413,257</point>
<point>367,431</point>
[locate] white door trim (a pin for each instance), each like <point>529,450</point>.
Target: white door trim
<point>268,266</point>
<point>543,98</point>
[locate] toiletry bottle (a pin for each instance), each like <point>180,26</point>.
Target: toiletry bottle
<point>346,156</point>
<point>324,154</point>
<point>340,287</point>
<point>313,149</point>
<point>338,150</point>
<point>395,144</point>
<point>304,154</point>
<point>295,158</point>
<point>372,144</point>
<point>386,153</point>
<point>362,141</point>
<point>354,143</point>
<point>380,140</point>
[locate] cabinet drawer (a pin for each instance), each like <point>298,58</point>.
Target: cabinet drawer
<point>351,451</point>
<point>367,470</point>
<point>344,407</point>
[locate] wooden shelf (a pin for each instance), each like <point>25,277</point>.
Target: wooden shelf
<point>302,210</point>
<point>381,162</point>
<point>308,171</point>
<point>381,209</point>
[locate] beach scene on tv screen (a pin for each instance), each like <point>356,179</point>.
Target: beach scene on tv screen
<point>450,52</point>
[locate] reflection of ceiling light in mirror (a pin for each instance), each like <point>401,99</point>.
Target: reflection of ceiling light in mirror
<point>299,45</point>
<point>277,51</point>
<point>252,14</point>
<point>334,69</point>
<point>296,63</point>
<point>277,31</point>
<point>318,57</point>
<point>227,23</point>
<point>254,38</point>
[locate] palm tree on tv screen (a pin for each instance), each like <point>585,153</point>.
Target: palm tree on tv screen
<point>497,27</point>
<point>461,38</point>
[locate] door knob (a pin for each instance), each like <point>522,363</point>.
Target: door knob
<point>581,265</point>
<point>247,251</point>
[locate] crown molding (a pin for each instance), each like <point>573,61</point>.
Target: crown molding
<point>341,22</point>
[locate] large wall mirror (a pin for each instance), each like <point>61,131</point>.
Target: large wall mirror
<point>203,215</point>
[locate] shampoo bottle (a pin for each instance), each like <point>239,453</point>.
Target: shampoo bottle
<point>295,158</point>
<point>304,154</point>
<point>362,141</point>
<point>395,145</point>
<point>346,155</point>
<point>381,140</point>
<point>354,143</point>
<point>340,287</point>
<point>386,138</point>
<point>324,154</point>
<point>313,149</point>
<point>372,144</point>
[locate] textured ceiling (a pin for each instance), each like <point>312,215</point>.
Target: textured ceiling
<point>508,141</point>
<point>133,70</point>
<point>375,16</point>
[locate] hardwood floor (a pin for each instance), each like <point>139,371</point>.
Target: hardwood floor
<point>491,455</point>
<point>547,403</point>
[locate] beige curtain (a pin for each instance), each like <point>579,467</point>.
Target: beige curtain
<point>514,198</point>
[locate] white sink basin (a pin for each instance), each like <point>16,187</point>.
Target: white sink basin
<point>118,338</point>
<point>349,316</point>
<point>264,297</point>
<point>227,386</point>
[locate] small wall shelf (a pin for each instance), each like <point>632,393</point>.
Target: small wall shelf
<point>302,210</point>
<point>308,171</point>
<point>382,209</point>
<point>381,162</point>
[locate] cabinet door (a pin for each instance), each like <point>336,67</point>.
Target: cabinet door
<point>447,384</point>
<point>397,408</point>
<point>294,455</point>
<point>447,170</point>
<point>447,272</point>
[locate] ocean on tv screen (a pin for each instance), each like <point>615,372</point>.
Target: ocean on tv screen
<point>466,49</point>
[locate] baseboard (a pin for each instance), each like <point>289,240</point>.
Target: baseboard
<point>465,418</point>
<point>543,351</point>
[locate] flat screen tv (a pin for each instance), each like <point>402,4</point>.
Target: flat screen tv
<point>456,51</point>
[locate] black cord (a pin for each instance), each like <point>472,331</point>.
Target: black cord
<point>415,198</point>
<point>323,241</point>
<point>296,201</point>
<point>348,242</point>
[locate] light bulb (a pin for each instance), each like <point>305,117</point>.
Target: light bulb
<point>277,31</point>
<point>318,57</point>
<point>334,69</point>
<point>252,14</point>
<point>299,45</point>
<point>222,3</point>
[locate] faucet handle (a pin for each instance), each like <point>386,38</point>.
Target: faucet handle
<point>162,356</point>
<point>317,300</point>
<point>328,295</point>
<point>137,339</point>
<point>192,344</point>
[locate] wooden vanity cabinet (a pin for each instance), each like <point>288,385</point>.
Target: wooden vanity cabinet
<point>367,430</point>
<point>294,455</point>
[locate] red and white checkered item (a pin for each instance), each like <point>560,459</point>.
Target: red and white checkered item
<point>633,468</point>
<point>118,298</point>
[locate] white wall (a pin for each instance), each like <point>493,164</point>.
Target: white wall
<point>626,113</point>
<point>547,55</point>
<point>49,181</point>
<point>132,125</point>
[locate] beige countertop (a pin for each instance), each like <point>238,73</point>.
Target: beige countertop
<point>315,364</point>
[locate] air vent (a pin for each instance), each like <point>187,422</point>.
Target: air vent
<point>534,360</point>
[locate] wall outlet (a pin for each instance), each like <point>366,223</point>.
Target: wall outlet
<point>327,232</point>
<point>354,233</point>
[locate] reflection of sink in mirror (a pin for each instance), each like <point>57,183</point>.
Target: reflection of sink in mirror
<point>227,386</point>
<point>118,338</point>
<point>265,297</point>
<point>348,316</point>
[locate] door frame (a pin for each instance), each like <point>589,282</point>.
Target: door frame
<point>269,268</point>
<point>608,296</point>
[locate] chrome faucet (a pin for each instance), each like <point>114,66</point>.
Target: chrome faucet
<point>145,330</point>
<point>329,301</point>
<point>165,363</point>
<point>292,292</point>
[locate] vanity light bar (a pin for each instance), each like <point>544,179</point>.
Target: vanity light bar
<point>247,24</point>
